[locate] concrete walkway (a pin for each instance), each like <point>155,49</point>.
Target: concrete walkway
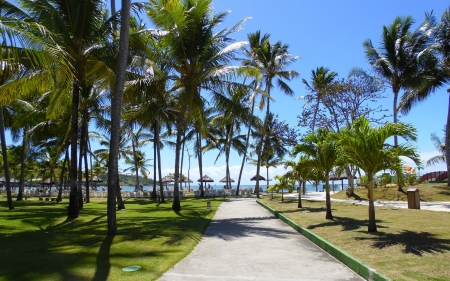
<point>320,196</point>
<point>245,242</point>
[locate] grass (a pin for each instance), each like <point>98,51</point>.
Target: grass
<point>429,192</point>
<point>409,244</point>
<point>38,243</point>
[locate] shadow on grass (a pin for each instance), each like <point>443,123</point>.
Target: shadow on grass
<point>348,224</point>
<point>49,247</point>
<point>416,243</point>
<point>103,264</point>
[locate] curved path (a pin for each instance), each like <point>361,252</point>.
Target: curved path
<point>245,242</point>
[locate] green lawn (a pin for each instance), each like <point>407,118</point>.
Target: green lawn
<point>429,192</point>
<point>37,243</point>
<point>409,244</point>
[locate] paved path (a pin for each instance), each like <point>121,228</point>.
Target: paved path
<point>320,196</point>
<point>245,242</point>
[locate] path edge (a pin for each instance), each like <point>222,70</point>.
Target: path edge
<point>353,263</point>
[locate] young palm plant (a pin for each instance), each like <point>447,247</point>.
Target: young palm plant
<point>321,153</point>
<point>365,146</point>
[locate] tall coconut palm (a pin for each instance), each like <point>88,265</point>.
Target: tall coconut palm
<point>399,59</point>
<point>116,115</point>
<point>200,58</point>
<point>271,60</point>
<point>439,74</point>
<point>26,48</point>
<point>321,150</point>
<point>365,146</point>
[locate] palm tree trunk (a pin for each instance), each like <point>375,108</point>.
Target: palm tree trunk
<point>22,169</point>
<point>200,166</point>
<point>5,161</point>
<point>84,152</point>
<point>116,116</point>
<point>74,207</point>
<point>158,150</point>
<point>299,204</point>
<point>61,179</point>
<point>247,141</point>
<point>86,173</point>
<point>350,178</point>
<point>120,203</point>
<point>395,113</point>
<point>182,157</point>
<point>155,141</point>
<point>136,166</point>
<point>227,157</point>
<point>447,139</point>
<point>329,215</point>
<point>372,223</point>
<point>176,205</point>
<point>259,149</point>
<point>80,166</point>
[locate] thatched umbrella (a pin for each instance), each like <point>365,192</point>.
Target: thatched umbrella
<point>261,178</point>
<point>95,180</point>
<point>205,178</point>
<point>167,179</point>
<point>227,180</point>
<point>47,182</point>
<point>186,180</point>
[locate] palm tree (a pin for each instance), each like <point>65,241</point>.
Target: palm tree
<point>271,60</point>
<point>321,150</point>
<point>27,52</point>
<point>365,146</point>
<point>403,59</point>
<point>116,116</point>
<point>321,80</point>
<point>440,146</point>
<point>439,68</point>
<point>199,56</point>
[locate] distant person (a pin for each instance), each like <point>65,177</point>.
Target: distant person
<point>142,188</point>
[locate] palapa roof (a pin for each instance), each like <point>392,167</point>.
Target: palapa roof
<point>205,178</point>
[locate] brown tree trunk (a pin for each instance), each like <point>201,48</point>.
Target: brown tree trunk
<point>299,205</point>
<point>329,215</point>
<point>176,205</point>
<point>74,207</point>
<point>200,166</point>
<point>372,222</point>
<point>155,132</point>
<point>116,116</point>
<point>22,169</point>
<point>86,166</point>
<point>5,161</point>
<point>61,179</point>
<point>158,151</point>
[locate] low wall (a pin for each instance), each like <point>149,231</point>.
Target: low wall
<point>356,265</point>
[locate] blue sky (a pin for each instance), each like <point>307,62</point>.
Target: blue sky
<point>325,33</point>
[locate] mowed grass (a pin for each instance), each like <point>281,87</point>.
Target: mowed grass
<point>409,245</point>
<point>429,192</point>
<point>37,243</point>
